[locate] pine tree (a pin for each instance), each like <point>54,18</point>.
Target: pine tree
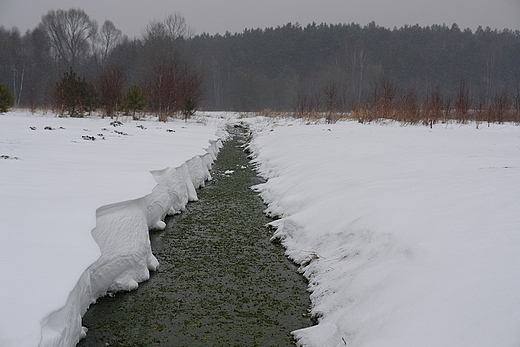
<point>189,108</point>
<point>74,95</point>
<point>135,100</point>
<point>6,98</point>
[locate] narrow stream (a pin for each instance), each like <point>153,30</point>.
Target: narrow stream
<point>220,281</point>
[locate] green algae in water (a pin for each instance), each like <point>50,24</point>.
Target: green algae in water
<point>220,281</point>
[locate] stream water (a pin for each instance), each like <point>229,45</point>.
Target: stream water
<point>220,281</point>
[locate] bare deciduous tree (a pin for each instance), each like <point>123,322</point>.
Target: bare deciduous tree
<point>434,106</point>
<point>301,102</point>
<point>162,89</point>
<point>480,106</point>
<point>448,102</point>
<point>384,95</point>
<point>71,34</point>
<point>110,89</point>
<point>173,26</point>
<point>333,100</point>
<point>331,95</point>
<point>109,37</point>
<point>358,63</point>
<point>176,26</point>
<point>308,101</point>
<point>172,83</point>
<point>462,102</point>
<point>500,107</point>
<point>408,108</point>
<point>517,97</point>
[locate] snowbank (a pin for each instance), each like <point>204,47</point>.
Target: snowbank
<point>408,236</point>
<point>59,179</point>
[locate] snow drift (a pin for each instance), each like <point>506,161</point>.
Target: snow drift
<point>408,236</point>
<point>122,234</point>
<point>64,241</point>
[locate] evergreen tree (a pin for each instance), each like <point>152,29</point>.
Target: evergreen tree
<point>6,98</point>
<point>189,108</point>
<point>135,100</point>
<point>74,95</point>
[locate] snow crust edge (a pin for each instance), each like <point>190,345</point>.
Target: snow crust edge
<point>122,233</point>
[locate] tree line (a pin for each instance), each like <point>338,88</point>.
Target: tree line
<point>334,68</point>
<point>71,65</point>
<point>339,67</point>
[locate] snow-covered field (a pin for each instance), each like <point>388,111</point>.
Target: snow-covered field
<point>56,183</point>
<point>409,236</point>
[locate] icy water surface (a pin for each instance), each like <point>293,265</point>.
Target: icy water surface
<point>220,281</point>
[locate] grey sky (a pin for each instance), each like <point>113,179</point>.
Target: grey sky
<point>212,16</point>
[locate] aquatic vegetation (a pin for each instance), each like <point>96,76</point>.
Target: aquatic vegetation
<point>220,281</point>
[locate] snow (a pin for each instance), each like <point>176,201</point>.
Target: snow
<point>409,236</point>
<point>66,183</point>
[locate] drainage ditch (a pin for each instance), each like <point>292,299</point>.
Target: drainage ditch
<point>220,281</point>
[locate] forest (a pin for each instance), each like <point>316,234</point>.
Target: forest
<point>292,68</point>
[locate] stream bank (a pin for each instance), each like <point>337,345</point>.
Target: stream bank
<point>220,281</point>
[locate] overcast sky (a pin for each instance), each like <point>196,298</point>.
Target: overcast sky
<point>217,16</point>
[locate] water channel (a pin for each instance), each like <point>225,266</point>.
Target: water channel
<point>220,281</point>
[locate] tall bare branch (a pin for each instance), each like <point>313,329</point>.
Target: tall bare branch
<point>70,33</point>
